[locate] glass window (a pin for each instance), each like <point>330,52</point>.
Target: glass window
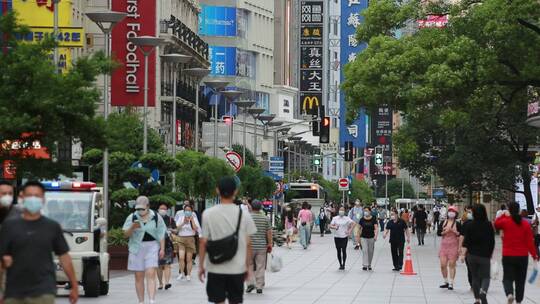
<point>72,210</point>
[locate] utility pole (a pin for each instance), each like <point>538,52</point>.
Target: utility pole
<point>55,34</point>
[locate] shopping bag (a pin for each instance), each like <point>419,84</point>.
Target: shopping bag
<point>494,270</point>
<point>276,264</point>
<point>534,274</point>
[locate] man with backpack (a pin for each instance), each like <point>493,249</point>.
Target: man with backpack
<point>225,246</point>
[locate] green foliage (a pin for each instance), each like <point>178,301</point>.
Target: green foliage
<point>177,196</point>
<point>198,174</point>
<point>156,200</point>
<point>115,237</point>
<point>93,157</point>
<point>361,190</point>
<point>332,190</point>
<point>123,196</point>
<point>36,101</point>
<point>394,189</point>
<point>125,134</point>
<point>250,158</point>
<point>254,183</point>
<point>137,176</point>
<point>461,89</point>
<point>165,163</point>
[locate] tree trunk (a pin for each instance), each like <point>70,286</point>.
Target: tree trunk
<point>526,176</point>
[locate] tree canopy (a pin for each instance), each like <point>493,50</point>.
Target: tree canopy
<point>40,104</point>
<point>462,89</point>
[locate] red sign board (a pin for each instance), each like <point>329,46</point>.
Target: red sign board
<point>433,21</point>
<point>235,160</point>
<point>343,183</point>
<point>127,81</point>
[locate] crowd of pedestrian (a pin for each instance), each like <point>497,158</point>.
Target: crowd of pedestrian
<point>233,240</point>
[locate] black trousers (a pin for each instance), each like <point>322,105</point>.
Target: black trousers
<point>469,272</point>
<point>322,225</point>
<point>397,254</point>
<point>515,272</point>
<point>420,234</point>
<point>479,268</point>
<point>537,243</point>
<point>341,247</point>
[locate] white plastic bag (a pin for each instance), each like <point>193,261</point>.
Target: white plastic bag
<point>276,264</point>
<point>495,268</point>
<point>534,274</point>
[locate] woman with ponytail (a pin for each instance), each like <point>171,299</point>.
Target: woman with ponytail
<point>518,243</point>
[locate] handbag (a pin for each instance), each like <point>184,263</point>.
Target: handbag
<point>223,250</point>
<point>494,270</point>
<point>276,264</point>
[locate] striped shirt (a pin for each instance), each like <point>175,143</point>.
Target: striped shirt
<point>258,240</point>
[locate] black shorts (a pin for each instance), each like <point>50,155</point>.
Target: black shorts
<point>225,286</point>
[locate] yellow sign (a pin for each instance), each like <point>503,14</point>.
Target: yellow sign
<point>310,100</point>
<point>40,12</point>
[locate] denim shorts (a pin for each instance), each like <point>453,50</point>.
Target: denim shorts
<point>146,258</point>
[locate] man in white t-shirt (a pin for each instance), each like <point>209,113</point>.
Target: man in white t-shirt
<point>226,280</point>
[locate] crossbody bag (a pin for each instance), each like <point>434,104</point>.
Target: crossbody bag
<point>223,250</point>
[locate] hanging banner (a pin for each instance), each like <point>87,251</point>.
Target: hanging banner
<point>311,56</point>
<point>127,81</point>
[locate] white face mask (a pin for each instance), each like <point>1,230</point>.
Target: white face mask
<point>451,215</point>
<point>6,200</point>
<point>393,217</point>
<point>341,213</point>
<point>162,212</point>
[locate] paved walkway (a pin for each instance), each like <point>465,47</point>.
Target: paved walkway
<point>312,276</point>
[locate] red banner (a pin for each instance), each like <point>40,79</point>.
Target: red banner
<point>127,83</point>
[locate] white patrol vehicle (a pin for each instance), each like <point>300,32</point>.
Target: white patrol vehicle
<point>78,207</point>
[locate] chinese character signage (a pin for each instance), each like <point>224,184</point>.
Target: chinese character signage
<point>350,46</point>
<point>311,56</point>
<point>433,21</point>
<point>127,81</point>
<point>222,60</point>
<point>382,133</point>
<point>217,21</point>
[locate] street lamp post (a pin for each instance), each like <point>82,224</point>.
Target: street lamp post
<point>199,74</point>
<point>245,105</point>
<point>264,119</point>
<point>275,124</point>
<point>105,21</point>
<point>175,60</point>
<point>255,113</point>
<point>231,96</point>
<point>150,42</point>
<point>216,86</point>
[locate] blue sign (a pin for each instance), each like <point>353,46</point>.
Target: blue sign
<point>222,60</point>
<point>154,174</point>
<point>350,19</point>
<point>217,21</point>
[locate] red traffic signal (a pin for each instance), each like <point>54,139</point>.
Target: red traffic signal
<point>324,130</point>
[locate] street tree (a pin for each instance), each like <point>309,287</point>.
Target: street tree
<point>395,188</point>
<point>462,89</point>
<point>254,183</point>
<point>42,105</point>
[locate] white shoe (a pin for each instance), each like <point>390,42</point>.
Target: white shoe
<point>188,278</point>
<point>510,298</point>
<point>152,301</point>
<point>180,277</point>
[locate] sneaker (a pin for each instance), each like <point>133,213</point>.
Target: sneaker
<point>395,269</point>
<point>510,298</point>
<point>160,288</point>
<point>364,268</point>
<point>356,247</point>
<point>342,267</point>
<point>167,286</point>
<point>152,301</point>
<point>445,285</point>
<point>369,268</point>
<point>188,278</point>
<point>250,288</point>
<point>259,291</point>
<point>450,286</point>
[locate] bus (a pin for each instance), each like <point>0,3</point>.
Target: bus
<point>312,193</point>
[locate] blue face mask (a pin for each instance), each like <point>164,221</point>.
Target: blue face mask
<point>188,213</point>
<point>33,204</point>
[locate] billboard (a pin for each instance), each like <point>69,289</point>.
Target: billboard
<point>127,81</point>
<point>311,57</point>
<point>222,60</point>
<point>349,47</point>
<point>217,21</point>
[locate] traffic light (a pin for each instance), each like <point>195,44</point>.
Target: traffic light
<point>379,160</point>
<point>324,130</point>
<point>349,151</point>
<point>228,120</point>
<point>315,128</point>
<point>316,160</point>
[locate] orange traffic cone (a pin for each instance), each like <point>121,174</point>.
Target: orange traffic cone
<point>408,263</point>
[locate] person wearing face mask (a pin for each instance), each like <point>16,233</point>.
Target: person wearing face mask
<point>355,214</point>
<point>342,226</point>
<point>397,229</point>
<point>450,231</point>
<point>164,269</point>
<point>26,246</point>
<point>7,210</point>
<point>146,232</point>
<point>368,234</point>
<point>420,223</point>
<point>188,227</point>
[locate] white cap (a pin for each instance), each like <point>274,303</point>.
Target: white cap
<point>142,202</point>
